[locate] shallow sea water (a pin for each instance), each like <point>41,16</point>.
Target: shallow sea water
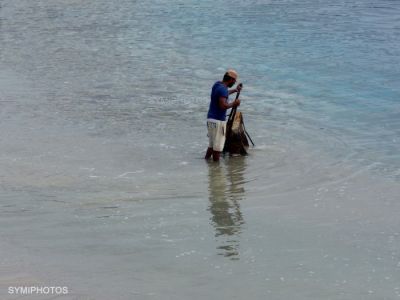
<point>103,185</point>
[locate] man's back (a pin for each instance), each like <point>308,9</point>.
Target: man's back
<point>215,111</point>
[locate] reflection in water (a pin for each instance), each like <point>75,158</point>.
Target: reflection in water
<point>226,189</point>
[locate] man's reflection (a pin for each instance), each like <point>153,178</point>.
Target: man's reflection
<point>226,189</point>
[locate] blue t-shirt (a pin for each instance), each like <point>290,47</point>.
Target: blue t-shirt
<point>215,111</point>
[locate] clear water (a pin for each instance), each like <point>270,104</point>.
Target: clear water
<point>103,186</point>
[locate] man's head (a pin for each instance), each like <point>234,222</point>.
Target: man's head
<point>230,77</point>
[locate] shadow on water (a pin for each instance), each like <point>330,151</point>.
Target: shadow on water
<point>226,190</point>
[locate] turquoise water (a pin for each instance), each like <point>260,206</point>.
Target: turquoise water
<point>103,185</point>
<point>313,64</point>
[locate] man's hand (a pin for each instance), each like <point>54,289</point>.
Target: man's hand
<point>236,103</point>
<point>239,87</point>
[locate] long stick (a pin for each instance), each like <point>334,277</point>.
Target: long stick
<point>230,122</point>
<point>233,110</point>
<point>248,135</point>
<point>232,116</point>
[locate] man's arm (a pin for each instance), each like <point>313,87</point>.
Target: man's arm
<point>223,103</point>
<point>232,91</point>
<point>238,88</point>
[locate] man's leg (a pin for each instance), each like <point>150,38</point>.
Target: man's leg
<point>209,153</point>
<point>219,140</point>
<point>216,155</point>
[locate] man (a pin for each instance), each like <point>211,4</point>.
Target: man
<point>216,124</point>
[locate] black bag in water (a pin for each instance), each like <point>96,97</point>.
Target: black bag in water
<point>236,142</point>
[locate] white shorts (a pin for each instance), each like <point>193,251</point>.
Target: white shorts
<point>216,134</point>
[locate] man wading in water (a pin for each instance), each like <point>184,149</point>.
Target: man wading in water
<point>216,124</point>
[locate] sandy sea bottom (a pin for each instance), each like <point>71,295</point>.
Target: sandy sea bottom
<point>286,222</point>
